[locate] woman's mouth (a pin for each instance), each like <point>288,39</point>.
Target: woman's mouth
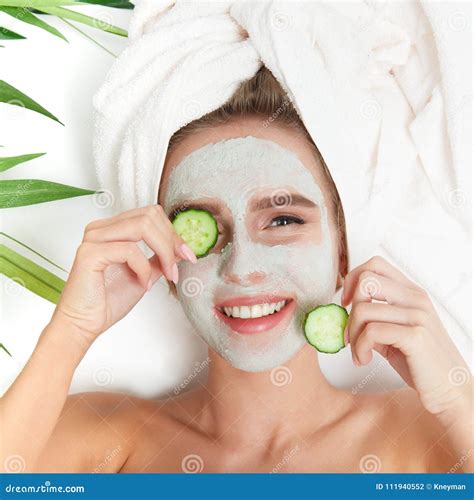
<point>255,314</point>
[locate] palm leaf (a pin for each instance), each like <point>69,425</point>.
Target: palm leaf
<point>11,161</point>
<point>23,192</point>
<point>6,34</point>
<point>27,273</point>
<point>5,349</point>
<point>11,95</point>
<point>119,4</point>
<point>82,18</point>
<point>34,251</point>
<point>23,14</point>
<point>35,3</point>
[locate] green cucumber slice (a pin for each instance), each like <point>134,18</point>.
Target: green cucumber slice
<point>198,228</point>
<point>324,328</point>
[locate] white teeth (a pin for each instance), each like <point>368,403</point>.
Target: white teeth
<point>245,312</point>
<point>255,311</point>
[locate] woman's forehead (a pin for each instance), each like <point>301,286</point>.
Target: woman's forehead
<point>287,137</point>
<point>236,169</point>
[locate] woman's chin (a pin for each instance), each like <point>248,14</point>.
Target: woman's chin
<point>264,358</point>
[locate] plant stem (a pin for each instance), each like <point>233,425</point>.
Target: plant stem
<point>34,251</point>
<point>87,36</point>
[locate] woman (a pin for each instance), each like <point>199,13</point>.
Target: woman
<point>281,250</point>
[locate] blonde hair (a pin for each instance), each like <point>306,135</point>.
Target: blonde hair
<point>263,96</point>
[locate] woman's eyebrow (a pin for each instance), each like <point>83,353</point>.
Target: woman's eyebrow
<point>185,205</point>
<point>281,199</point>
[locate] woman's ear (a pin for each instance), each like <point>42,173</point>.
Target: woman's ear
<point>339,282</point>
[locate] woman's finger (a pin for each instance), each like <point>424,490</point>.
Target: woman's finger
<point>381,334</point>
<point>148,211</point>
<point>156,215</point>
<point>364,313</point>
<point>377,265</point>
<point>98,256</point>
<point>371,286</point>
<point>161,241</point>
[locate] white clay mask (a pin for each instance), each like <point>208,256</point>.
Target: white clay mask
<point>235,172</point>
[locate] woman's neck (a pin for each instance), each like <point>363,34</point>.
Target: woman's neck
<point>262,405</point>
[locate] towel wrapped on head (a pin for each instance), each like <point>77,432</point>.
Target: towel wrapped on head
<point>335,60</point>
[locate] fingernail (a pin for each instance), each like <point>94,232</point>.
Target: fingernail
<point>150,284</point>
<point>346,336</point>
<point>188,253</point>
<point>175,274</point>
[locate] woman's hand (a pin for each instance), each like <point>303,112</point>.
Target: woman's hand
<point>110,273</point>
<point>406,330</point>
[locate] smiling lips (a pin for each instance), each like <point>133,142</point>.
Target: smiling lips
<point>254,314</point>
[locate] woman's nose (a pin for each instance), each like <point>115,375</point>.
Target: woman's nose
<point>241,267</point>
<point>253,278</point>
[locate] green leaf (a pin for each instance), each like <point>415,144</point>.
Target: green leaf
<point>119,4</point>
<point>22,192</point>
<point>11,95</point>
<point>27,273</point>
<point>34,251</point>
<point>11,161</point>
<point>35,3</point>
<point>5,349</point>
<point>82,18</point>
<point>6,34</point>
<point>23,14</point>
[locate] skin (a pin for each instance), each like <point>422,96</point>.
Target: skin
<point>238,421</point>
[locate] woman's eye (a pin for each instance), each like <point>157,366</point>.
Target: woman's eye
<point>285,220</point>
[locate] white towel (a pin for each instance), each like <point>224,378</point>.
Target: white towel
<point>365,78</point>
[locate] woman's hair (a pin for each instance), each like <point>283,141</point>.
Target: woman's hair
<point>263,96</point>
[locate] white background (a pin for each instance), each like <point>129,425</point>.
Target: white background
<point>153,349</point>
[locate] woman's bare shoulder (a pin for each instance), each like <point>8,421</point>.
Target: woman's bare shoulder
<point>98,428</point>
<point>408,430</point>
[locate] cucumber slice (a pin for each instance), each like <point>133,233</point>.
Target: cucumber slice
<point>198,228</point>
<point>324,328</point>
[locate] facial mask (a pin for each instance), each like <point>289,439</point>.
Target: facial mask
<point>234,171</point>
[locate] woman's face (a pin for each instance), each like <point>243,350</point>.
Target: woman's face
<point>276,256</point>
